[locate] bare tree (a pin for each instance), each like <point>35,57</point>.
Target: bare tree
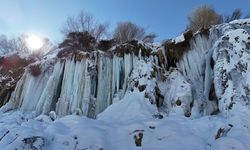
<point>84,22</point>
<point>14,44</point>
<point>203,17</point>
<point>237,14</point>
<point>47,47</point>
<point>149,38</point>
<point>5,45</point>
<point>19,44</point>
<point>127,31</point>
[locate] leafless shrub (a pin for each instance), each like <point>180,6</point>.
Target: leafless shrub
<point>128,31</point>
<point>237,14</point>
<point>35,70</point>
<point>105,44</point>
<point>149,38</point>
<point>203,17</point>
<point>84,22</point>
<point>79,41</point>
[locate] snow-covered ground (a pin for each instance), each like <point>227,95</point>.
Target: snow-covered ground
<point>130,123</point>
<point>121,127</point>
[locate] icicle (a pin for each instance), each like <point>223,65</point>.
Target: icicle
<point>192,65</point>
<point>76,88</point>
<point>104,84</point>
<point>50,92</point>
<point>208,75</point>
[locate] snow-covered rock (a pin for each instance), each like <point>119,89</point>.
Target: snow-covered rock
<point>232,68</point>
<point>178,95</point>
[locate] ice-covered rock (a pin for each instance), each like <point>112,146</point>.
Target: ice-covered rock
<point>215,63</point>
<point>232,66</point>
<point>178,98</point>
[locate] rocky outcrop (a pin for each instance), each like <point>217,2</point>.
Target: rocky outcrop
<point>215,63</point>
<point>232,66</point>
<point>175,48</point>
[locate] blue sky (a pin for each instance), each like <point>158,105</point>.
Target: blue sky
<point>166,18</point>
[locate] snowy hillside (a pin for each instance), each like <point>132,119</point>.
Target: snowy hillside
<point>191,92</point>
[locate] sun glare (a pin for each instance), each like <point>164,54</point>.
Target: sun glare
<point>34,42</point>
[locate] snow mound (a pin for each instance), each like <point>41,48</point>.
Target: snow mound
<point>141,100</point>
<point>178,95</point>
<point>132,107</point>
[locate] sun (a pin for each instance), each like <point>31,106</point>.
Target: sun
<point>34,42</point>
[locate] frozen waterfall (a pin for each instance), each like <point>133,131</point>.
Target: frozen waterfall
<point>196,67</point>
<point>69,86</point>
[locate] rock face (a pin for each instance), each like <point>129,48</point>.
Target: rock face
<point>216,64</point>
<point>232,66</point>
<point>192,75</point>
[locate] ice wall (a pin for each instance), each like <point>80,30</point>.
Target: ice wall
<point>217,68</point>
<point>36,93</point>
<point>75,89</point>
<point>211,69</point>
<point>195,65</point>
<point>72,86</point>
